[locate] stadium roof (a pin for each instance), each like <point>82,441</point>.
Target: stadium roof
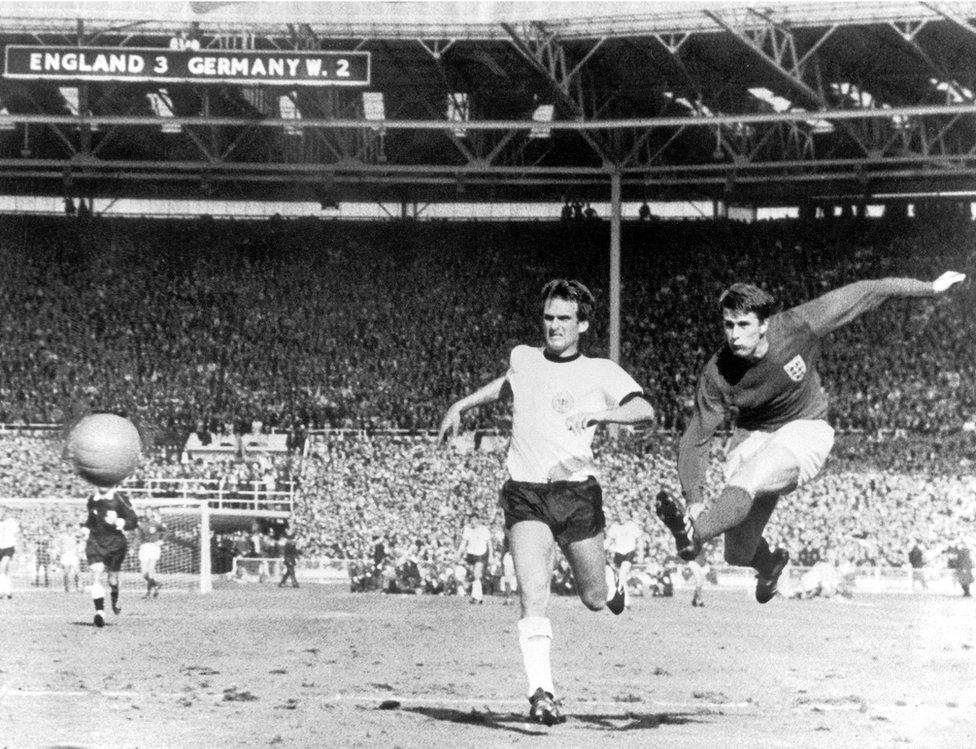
<point>761,103</point>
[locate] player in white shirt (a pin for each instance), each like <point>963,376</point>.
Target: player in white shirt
<point>553,496</point>
<point>623,538</point>
<point>9,530</point>
<point>475,552</point>
<point>66,545</point>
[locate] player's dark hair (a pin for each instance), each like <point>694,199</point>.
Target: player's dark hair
<point>571,291</point>
<point>743,298</point>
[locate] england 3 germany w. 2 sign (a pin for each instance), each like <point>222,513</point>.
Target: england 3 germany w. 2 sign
<point>284,67</point>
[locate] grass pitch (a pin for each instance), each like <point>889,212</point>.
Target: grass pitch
<point>259,666</point>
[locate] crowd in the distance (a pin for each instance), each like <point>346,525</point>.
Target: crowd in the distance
<point>413,497</point>
<point>380,325</point>
<point>206,325</point>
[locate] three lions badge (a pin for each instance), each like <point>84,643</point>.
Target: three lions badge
<point>796,368</point>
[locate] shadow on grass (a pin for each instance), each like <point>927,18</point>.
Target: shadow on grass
<point>518,722</point>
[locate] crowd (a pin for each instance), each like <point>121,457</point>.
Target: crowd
<point>208,326</point>
<point>395,502</point>
<point>328,324</point>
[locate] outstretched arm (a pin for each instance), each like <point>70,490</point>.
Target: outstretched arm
<point>451,423</point>
<point>838,307</point>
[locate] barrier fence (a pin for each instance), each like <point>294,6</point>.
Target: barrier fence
<point>940,581</point>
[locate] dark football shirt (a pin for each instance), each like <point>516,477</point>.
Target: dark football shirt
<point>98,507</point>
<point>783,385</point>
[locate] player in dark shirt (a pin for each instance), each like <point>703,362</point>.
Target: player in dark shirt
<point>766,375</point>
<point>109,515</point>
<point>151,533</point>
<point>290,554</point>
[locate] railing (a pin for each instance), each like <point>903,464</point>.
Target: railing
<point>252,496</point>
<point>270,569</point>
<point>897,580</point>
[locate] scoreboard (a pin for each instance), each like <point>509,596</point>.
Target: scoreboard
<point>279,67</point>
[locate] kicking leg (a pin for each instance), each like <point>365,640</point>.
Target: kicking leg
<point>772,471</point>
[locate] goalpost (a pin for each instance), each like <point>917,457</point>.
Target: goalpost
<point>50,529</point>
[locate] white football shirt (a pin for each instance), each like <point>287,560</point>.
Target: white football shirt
<point>623,537</point>
<point>545,394</point>
<point>476,539</point>
<point>8,533</point>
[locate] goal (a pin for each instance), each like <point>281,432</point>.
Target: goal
<point>50,529</point>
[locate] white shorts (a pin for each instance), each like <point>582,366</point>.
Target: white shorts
<point>810,441</point>
<point>698,572</point>
<point>149,553</point>
<point>69,563</point>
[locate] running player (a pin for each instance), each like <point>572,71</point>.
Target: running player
<point>9,530</point>
<point>475,551</point>
<point>151,533</point>
<point>109,515</point>
<point>66,547</point>
<point>289,554</point>
<point>553,496</point>
<point>767,373</point>
<point>623,538</point>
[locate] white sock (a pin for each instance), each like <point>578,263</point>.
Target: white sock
<point>97,591</point>
<point>4,585</point>
<point>611,577</point>
<point>476,591</point>
<point>535,641</point>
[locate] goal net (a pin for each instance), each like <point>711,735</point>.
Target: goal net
<point>50,547</point>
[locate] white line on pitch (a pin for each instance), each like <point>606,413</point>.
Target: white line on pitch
<point>433,700</point>
<point>377,698</point>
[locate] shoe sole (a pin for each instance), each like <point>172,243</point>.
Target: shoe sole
<point>772,583</point>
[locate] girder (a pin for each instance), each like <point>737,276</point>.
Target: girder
<point>614,77</point>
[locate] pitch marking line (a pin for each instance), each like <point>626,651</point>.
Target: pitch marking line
<point>433,700</point>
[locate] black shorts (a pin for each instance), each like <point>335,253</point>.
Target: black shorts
<point>7,551</point>
<point>109,551</point>
<point>619,559</point>
<point>573,510</point>
<point>473,559</point>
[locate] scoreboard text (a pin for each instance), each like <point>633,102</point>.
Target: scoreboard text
<point>287,68</point>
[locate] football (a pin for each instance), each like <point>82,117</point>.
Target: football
<point>104,449</point>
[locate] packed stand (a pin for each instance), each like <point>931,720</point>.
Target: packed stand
<point>381,325</point>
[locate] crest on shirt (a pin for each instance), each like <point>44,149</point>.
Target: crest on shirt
<point>796,368</point>
<point>562,402</point>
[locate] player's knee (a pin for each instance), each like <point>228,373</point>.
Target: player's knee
<point>594,599</point>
